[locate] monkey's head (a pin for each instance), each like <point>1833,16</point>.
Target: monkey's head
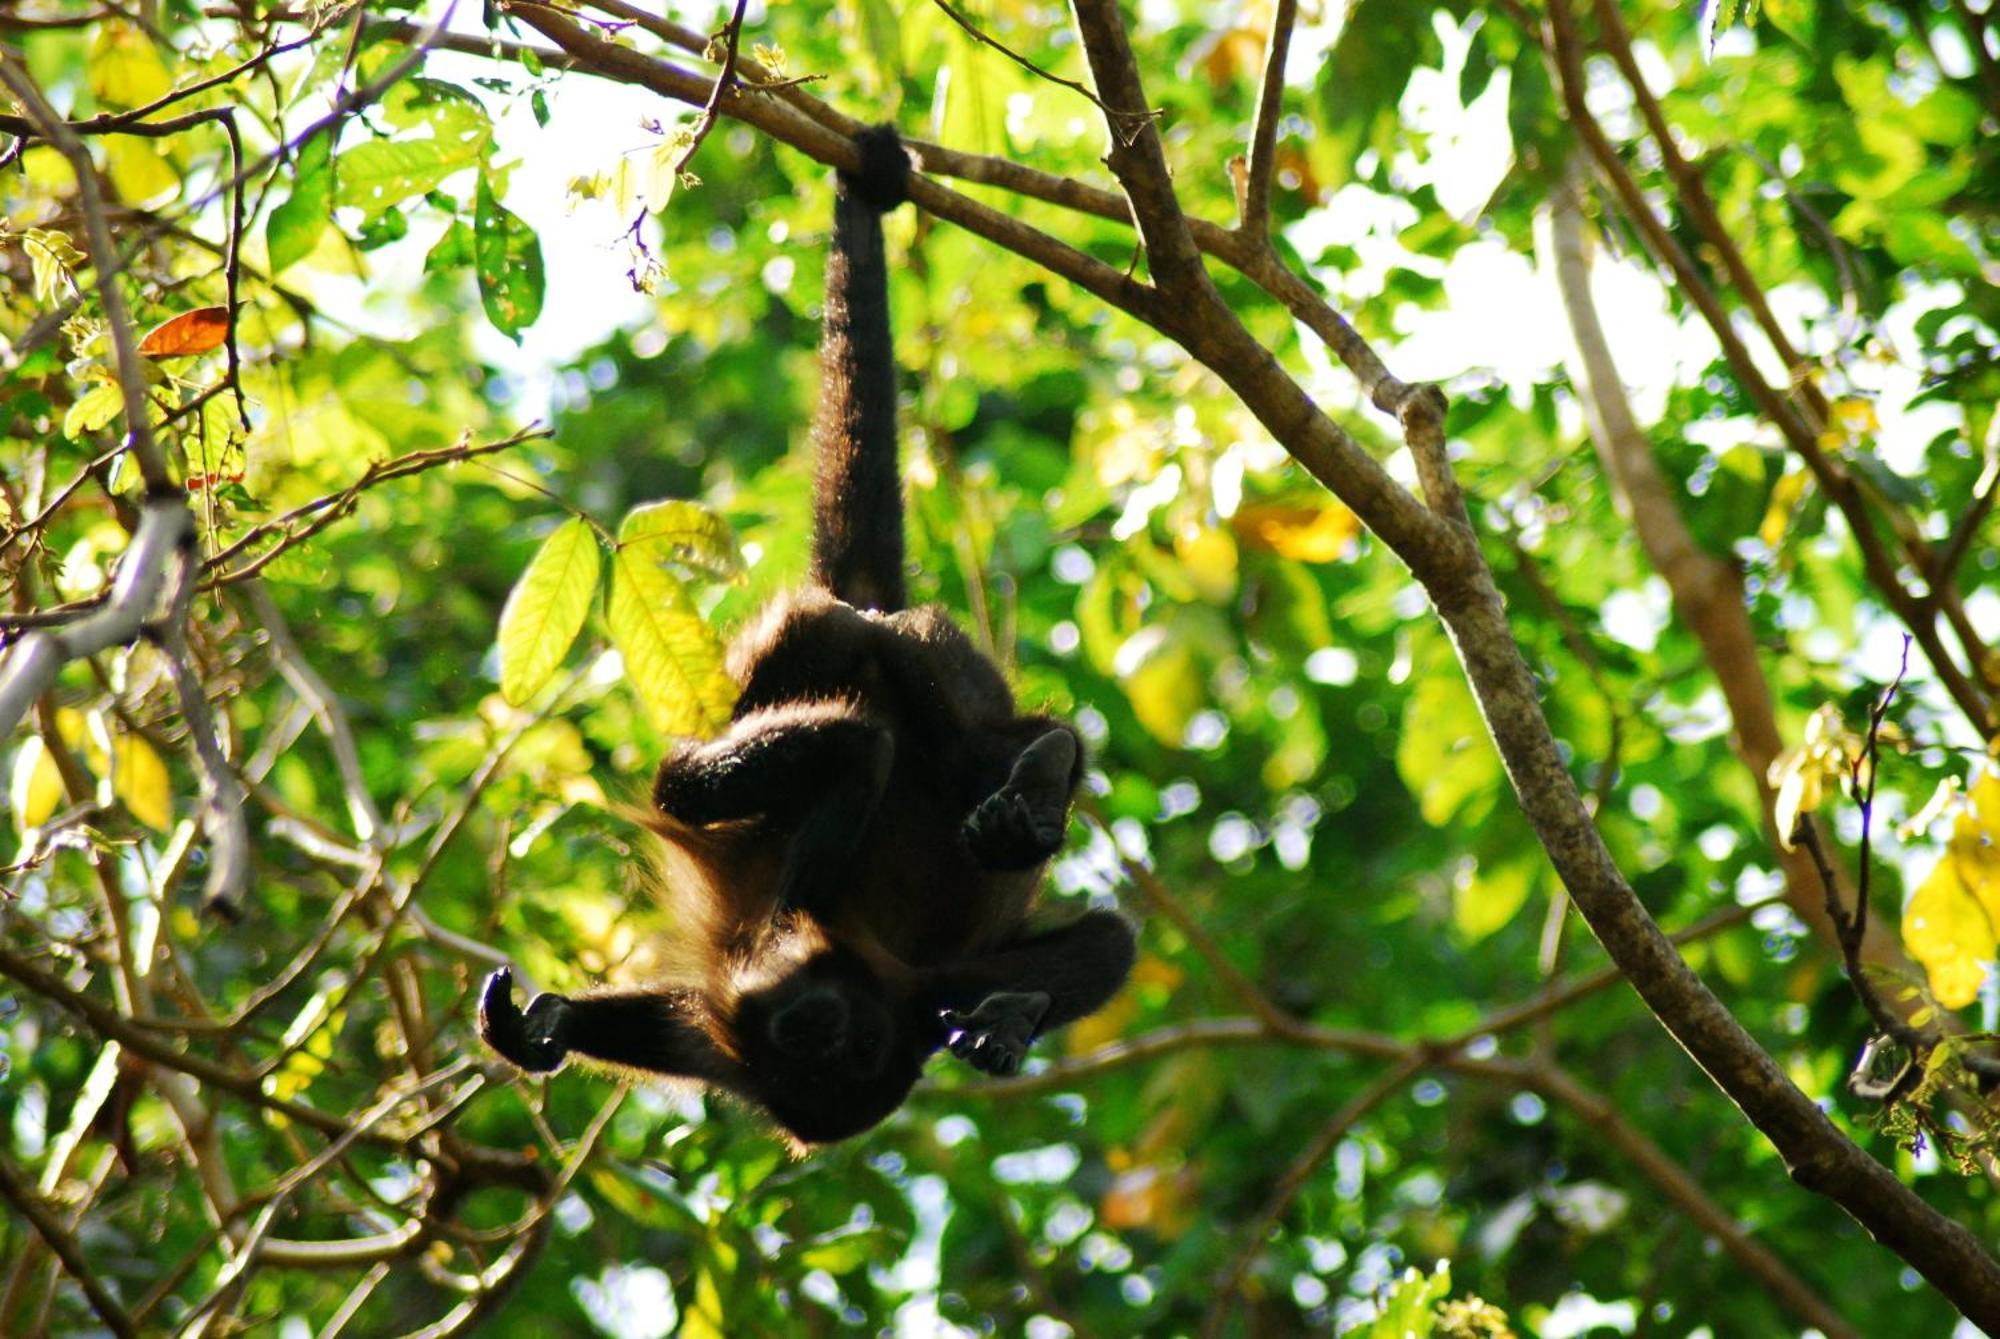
<point>826,1048</point>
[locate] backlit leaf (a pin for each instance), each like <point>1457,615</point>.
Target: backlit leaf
<point>93,409</point>
<point>673,659</point>
<point>380,174</point>
<point>507,255</point>
<point>1947,931</point>
<point>125,69</point>
<point>1489,899</point>
<point>1306,534</point>
<point>546,609</point>
<point>140,779</point>
<point>36,788</point>
<point>294,227</point>
<point>191,332</point>
<point>139,172</point>
<point>684,531</point>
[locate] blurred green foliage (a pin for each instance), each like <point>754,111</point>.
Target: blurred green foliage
<point>1279,731</point>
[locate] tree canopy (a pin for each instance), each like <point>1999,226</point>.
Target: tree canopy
<point>1503,490</point>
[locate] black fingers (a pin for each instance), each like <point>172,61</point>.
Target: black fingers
<point>532,1040</point>
<point>1023,823</point>
<point>994,1036</point>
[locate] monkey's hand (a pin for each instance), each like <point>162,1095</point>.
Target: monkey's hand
<point>993,1038</point>
<point>532,1040</point>
<point>1022,824</point>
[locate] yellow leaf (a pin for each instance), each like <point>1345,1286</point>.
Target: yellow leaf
<point>686,532</point>
<point>52,261</point>
<point>672,658</point>
<point>1985,798</point>
<point>48,172</point>
<point>1103,1027</point>
<point>37,787</point>
<point>139,778</point>
<point>125,70</point>
<point>1785,495</point>
<point>93,409</point>
<point>1798,793</point>
<point>1946,930</point>
<point>1306,534</point>
<point>1489,898</point>
<point>546,609</point>
<point>1163,680</point>
<point>1209,555</point>
<point>139,172</point>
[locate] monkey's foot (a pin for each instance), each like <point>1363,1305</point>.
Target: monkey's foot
<point>993,1038</point>
<point>532,1040</point>
<point>1022,824</point>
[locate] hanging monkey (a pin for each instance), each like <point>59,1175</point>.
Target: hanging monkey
<point>853,860</point>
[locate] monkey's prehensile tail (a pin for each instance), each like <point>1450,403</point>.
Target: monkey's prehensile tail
<point>858,495</point>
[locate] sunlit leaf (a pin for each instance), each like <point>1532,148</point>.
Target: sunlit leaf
<point>125,68</point>
<point>377,175</point>
<point>1306,534</point>
<point>1946,930</point>
<point>684,531</point>
<point>294,227</point>
<point>140,779</point>
<point>52,261</point>
<point>508,258</point>
<point>546,609</point>
<point>1208,555</point>
<point>191,332</point>
<point>139,172</point>
<point>1162,678</point>
<point>97,406</point>
<point>1490,897</point>
<point>673,660</point>
<point>36,788</point>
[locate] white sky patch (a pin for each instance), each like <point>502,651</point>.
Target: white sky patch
<point>1636,618</point>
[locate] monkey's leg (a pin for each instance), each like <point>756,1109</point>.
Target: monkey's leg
<point>1022,824</point>
<point>993,1006</point>
<point>816,776</point>
<point>656,1030</point>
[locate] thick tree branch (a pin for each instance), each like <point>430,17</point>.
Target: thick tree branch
<point>1137,157</point>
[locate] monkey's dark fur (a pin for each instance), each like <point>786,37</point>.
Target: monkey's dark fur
<point>853,861</point>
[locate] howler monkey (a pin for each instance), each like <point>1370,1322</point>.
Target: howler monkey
<point>853,860</point>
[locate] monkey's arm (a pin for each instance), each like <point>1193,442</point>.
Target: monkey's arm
<point>995,1005</point>
<point>656,1030</point>
<point>816,776</point>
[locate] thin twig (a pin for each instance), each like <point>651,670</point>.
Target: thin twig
<point>30,1205</point>
<point>980,36</point>
<point>725,83</point>
<point>1303,1165</point>
<point>1256,214</point>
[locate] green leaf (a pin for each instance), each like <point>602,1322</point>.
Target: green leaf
<point>1491,897</point>
<point>686,532</point>
<point>508,258</point>
<point>453,249</point>
<point>546,609</point>
<point>383,173</point>
<point>93,409</point>
<point>673,659</point>
<point>294,227</point>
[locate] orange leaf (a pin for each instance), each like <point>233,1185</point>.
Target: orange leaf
<point>192,332</point>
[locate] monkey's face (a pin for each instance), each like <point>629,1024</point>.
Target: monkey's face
<point>825,1049</point>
